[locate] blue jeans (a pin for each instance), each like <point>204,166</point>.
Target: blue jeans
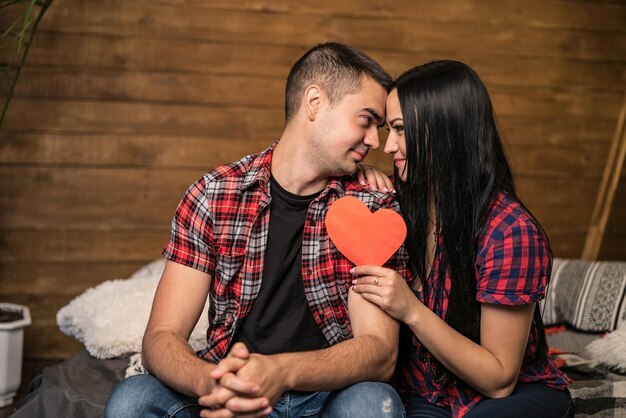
<point>145,396</point>
<point>534,400</point>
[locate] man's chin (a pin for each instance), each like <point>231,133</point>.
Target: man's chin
<point>348,169</point>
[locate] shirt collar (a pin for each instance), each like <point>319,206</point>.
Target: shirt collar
<point>260,170</point>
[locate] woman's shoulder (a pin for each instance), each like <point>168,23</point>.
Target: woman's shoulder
<point>508,215</point>
<point>507,210</point>
<point>512,253</point>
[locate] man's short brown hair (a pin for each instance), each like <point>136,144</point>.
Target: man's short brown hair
<point>338,69</point>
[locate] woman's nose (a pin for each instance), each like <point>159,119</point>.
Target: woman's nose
<point>391,145</point>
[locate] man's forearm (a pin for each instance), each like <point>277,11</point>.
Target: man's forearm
<point>173,362</point>
<point>367,357</point>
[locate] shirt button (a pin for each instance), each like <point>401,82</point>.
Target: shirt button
<point>423,358</point>
<point>312,222</point>
<point>322,316</point>
<point>309,272</point>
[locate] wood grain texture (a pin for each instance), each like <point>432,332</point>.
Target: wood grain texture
<point>68,279</point>
<point>245,90</point>
<point>607,191</point>
<point>189,22</point>
<point>613,246</point>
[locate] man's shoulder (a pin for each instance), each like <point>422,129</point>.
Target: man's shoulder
<point>235,175</point>
<point>231,171</point>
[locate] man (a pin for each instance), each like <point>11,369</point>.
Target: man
<point>285,333</point>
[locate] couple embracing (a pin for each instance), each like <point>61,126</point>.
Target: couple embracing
<point>449,327</point>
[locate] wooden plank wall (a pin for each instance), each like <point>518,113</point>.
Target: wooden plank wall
<point>614,241</point>
<point>123,104</point>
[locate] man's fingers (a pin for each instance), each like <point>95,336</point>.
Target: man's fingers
<point>239,350</point>
<point>236,384</point>
<point>240,405</point>
<point>225,413</point>
<point>227,365</point>
<point>216,413</point>
<point>218,397</point>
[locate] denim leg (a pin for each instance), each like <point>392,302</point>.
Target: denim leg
<point>527,400</point>
<point>145,396</point>
<point>364,400</point>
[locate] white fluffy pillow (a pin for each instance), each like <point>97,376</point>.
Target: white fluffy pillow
<point>110,318</point>
<point>610,350</point>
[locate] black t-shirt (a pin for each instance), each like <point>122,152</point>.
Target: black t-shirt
<point>280,320</point>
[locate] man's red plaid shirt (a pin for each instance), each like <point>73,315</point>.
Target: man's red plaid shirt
<point>221,228</point>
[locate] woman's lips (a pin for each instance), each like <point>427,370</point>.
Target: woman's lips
<point>399,162</point>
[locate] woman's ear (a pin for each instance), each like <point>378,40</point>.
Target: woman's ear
<point>312,101</point>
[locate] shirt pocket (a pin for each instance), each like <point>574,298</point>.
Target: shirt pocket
<point>228,267</point>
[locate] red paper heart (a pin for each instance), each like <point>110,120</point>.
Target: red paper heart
<point>362,236</point>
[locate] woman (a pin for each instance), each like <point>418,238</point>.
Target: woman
<point>473,343</point>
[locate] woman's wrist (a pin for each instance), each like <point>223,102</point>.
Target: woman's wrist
<point>413,316</point>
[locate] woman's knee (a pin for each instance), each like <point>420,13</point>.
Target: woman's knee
<point>528,399</point>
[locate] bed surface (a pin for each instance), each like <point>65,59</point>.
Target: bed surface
<point>78,387</point>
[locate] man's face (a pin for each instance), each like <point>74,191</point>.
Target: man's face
<point>348,129</point>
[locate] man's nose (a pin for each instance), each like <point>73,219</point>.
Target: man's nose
<point>371,137</point>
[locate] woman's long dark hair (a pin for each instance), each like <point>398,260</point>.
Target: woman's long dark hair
<point>455,162</point>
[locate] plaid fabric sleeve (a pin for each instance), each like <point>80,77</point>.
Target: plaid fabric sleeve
<point>513,268</point>
<point>191,237</point>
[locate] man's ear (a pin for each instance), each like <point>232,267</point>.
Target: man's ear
<point>313,97</point>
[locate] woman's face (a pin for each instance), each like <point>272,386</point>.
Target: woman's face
<point>396,144</point>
